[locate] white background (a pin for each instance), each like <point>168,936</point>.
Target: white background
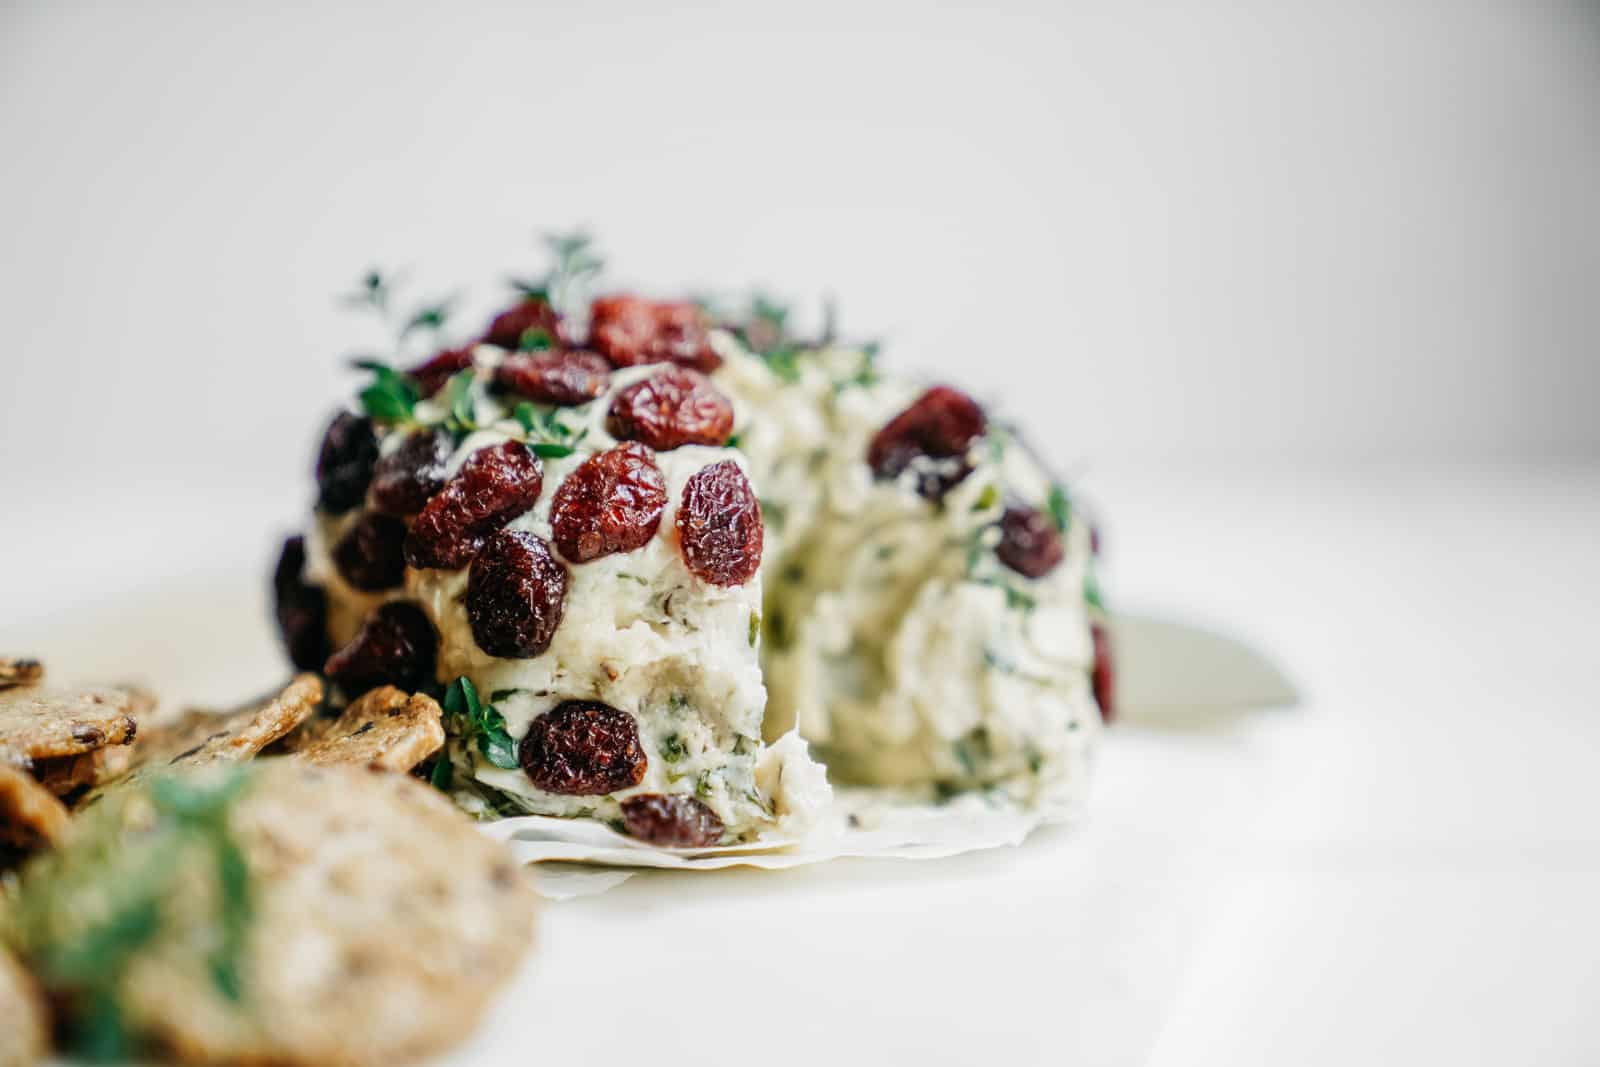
<point>1308,292</point>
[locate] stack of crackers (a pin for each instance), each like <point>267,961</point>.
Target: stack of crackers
<point>272,883</point>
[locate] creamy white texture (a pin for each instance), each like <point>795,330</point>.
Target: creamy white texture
<point>896,640</point>
<point>639,632</point>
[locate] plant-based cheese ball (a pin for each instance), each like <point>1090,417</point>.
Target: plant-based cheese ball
<point>584,578</point>
<point>642,549</point>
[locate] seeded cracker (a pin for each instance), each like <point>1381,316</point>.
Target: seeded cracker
<point>23,1035</point>
<point>30,815</point>
<point>273,913</point>
<point>198,738</point>
<point>15,670</point>
<point>385,730</point>
<point>38,722</point>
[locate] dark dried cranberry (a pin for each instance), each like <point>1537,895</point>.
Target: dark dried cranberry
<point>931,438</point>
<point>403,480</point>
<point>561,378</point>
<point>629,330</point>
<point>397,645</point>
<point>511,328</point>
<point>1104,674</point>
<point>583,748</point>
<point>1029,544</point>
<point>611,503</point>
<point>515,595</point>
<point>369,555</point>
<point>431,376</point>
<point>672,408</point>
<point>302,609</point>
<point>719,525</point>
<point>344,466</point>
<point>494,486</point>
<point>674,821</point>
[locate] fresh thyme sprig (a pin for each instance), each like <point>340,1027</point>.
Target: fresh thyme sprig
<point>547,436</point>
<point>479,724</point>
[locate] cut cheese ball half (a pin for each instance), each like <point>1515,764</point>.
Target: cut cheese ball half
<point>928,610</point>
<point>584,578</point>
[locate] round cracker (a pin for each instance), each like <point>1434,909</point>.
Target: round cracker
<point>24,1037</point>
<point>385,729</point>
<point>380,921</point>
<point>19,670</point>
<point>40,722</point>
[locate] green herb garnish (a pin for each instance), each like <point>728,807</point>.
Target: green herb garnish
<point>458,401</point>
<point>1060,506</point>
<point>392,396</point>
<point>479,723</point>
<point>546,435</point>
<point>672,749</point>
<point>755,628</point>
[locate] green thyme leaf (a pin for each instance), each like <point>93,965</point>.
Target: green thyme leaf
<point>459,402</point>
<point>1091,591</point>
<point>431,317</point>
<point>480,723</point>
<point>442,774</point>
<point>988,498</point>
<point>549,451</point>
<point>535,339</point>
<point>392,396</point>
<point>672,749</point>
<point>1060,506</point>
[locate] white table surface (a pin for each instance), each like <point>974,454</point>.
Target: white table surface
<point>1403,869</point>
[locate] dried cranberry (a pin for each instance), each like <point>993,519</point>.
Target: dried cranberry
<point>674,821</point>
<point>403,480</point>
<point>397,645</point>
<point>515,595</point>
<point>369,555</point>
<point>672,408</point>
<point>494,486</point>
<point>931,438</point>
<point>1029,544</point>
<point>431,375</point>
<point>583,748</point>
<point>719,525</point>
<point>302,609</point>
<point>510,328</point>
<point>562,378</point>
<point>344,466</point>
<point>1103,678</point>
<point>611,503</point>
<point>629,330</point>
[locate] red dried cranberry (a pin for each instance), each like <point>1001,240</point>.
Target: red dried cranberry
<point>510,329</point>
<point>719,525</point>
<point>369,555</point>
<point>344,465</point>
<point>629,330</point>
<point>397,646</point>
<point>515,595</point>
<point>583,748</point>
<point>431,375</point>
<point>302,609</point>
<point>561,378</point>
<point>1103,678</point>
<point>671,821</point>
<point>611,503</point>
<point>931,438</point>
<point>494,486</point>
<point>1029,544</point>
<point>403,480</point>
<point>672,408</point>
